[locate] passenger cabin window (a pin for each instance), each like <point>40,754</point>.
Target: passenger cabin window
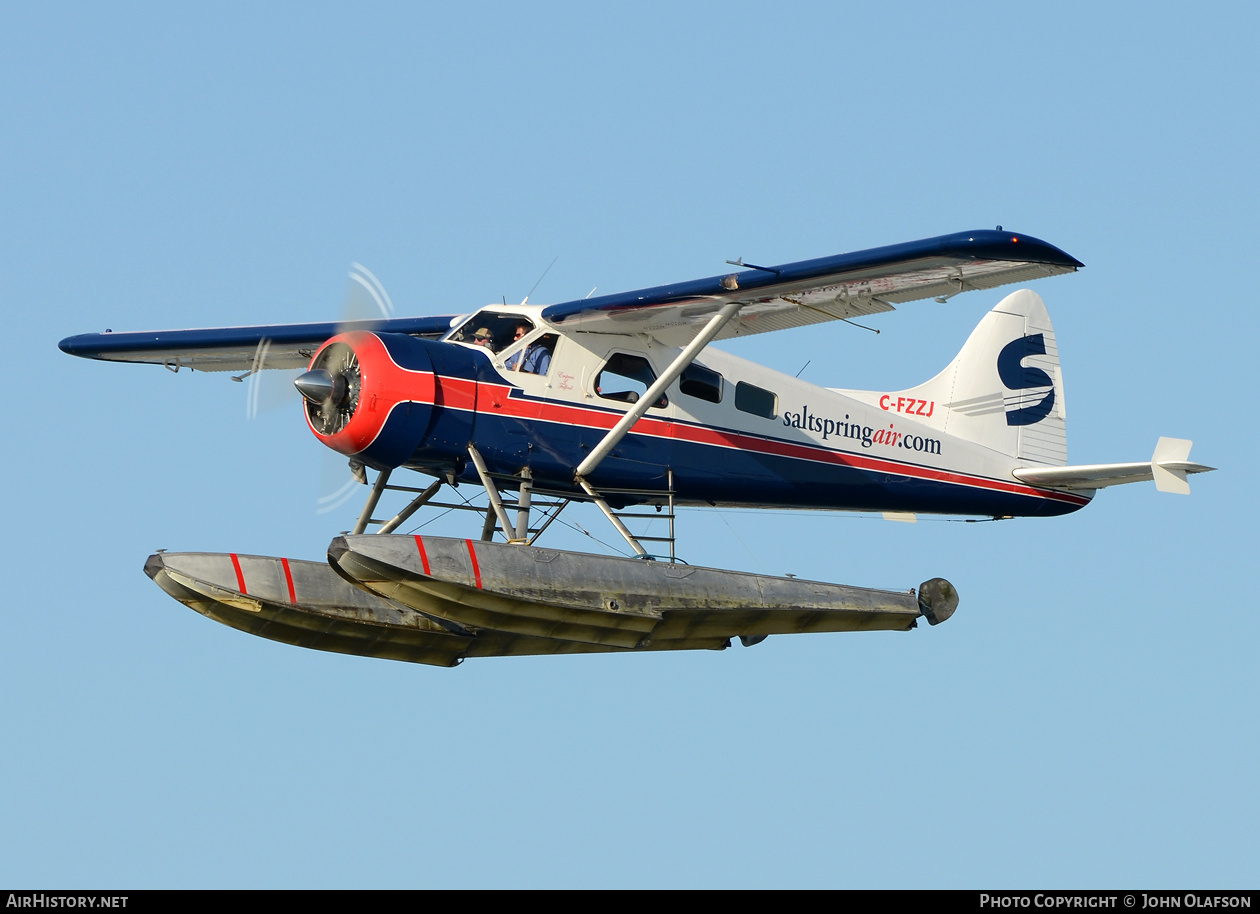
<point>626,378</point>
<point>701,383</point>
<point>756,400</point>
<point>493,331</point>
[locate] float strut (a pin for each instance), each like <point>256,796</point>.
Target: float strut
<point>365,518</point>
<point>547,523</point>
<point>616,521</point>
<point>492,490</point>
<point>416,504</point>
<point>523,501</point>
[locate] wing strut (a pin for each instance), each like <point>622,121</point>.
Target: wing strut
<point>677,367</point>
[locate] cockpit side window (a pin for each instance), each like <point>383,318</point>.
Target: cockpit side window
<point>492,330</point>
<point>626,378</point>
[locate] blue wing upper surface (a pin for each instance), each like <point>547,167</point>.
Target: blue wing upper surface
<point>824,289</point>
<point>235,348</point>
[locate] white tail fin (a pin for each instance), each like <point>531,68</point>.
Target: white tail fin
<point>1169,465</point>
<point>1004,390</point>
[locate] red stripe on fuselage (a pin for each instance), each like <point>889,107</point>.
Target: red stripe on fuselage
<point>680,430</point>
<point>456,393</point>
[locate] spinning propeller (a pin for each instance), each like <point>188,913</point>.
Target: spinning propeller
<point>329,388</point>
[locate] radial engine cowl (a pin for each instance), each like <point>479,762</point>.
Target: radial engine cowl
<point>370,395</point>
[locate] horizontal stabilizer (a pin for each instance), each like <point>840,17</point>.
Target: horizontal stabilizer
<point>1168,466</point>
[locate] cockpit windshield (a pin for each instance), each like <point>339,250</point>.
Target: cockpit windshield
<point>493,330</point>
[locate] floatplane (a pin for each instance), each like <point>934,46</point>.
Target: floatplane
<point>622,402</point>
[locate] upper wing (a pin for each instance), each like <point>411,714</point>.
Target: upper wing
<point>236,348</point>
<point>789,295</point>
<point>826,289</point>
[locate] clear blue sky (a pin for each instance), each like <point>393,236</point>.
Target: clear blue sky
<point>1088,718</point>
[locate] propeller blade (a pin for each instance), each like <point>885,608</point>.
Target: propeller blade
<point>269,389</point>
<point>336,484</point>
<point>366,298</point>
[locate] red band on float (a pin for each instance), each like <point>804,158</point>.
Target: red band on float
<point>288,577</point>
<point>472,553</point>
<point>240,578</point>
<point>424,556</point>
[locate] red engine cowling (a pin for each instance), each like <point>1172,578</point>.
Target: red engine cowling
<point>370,395</point>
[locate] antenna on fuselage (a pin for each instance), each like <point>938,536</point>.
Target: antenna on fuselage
<point>753,266</point>
<point>540,278</point>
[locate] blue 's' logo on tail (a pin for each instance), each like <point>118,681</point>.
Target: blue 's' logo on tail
<point>1016,376</point>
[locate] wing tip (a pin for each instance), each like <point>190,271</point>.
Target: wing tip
<point>1003,245</point>
<point>82,345</point>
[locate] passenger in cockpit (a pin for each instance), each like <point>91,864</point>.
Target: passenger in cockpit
<point>536,356</point>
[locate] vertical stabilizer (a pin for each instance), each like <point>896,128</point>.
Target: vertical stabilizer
<point>1003,391</point>
<point>1168,465</point>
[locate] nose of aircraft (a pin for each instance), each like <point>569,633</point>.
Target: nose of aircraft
<point>315,385</point>
<point>318,385</point>
<point>371,395</point>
